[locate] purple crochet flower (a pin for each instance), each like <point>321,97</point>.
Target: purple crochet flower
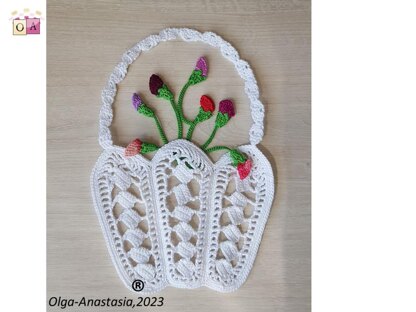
<point>155,83</point>
<point>227,107</point>
<point>199,73</point>
<point>201,65</point>
<point>136,101</point>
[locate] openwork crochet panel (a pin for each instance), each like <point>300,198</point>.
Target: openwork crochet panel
<point>179,219</point>
<point>206,235</point>
<point>122,194</point>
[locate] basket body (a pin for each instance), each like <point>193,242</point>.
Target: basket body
<point>179,219</point>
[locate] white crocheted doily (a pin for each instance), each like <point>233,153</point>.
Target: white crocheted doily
<point>161,230</point>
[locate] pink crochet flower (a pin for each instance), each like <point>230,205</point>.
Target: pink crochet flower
<point>133,148</point>
<point>241,162</point>
<point>201,65</point>
<point>227,107</point>
<point>244,169</point>
<point>199,73</point>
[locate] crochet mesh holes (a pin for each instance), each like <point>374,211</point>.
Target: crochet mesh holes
<point>236,208</point>
<point>183,190</point>
<point>129,211</point>
<point>183,217</point>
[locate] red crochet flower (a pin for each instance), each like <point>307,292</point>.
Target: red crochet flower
<point>207,103</point>
<point>133,148</point>
<point>244,168</point>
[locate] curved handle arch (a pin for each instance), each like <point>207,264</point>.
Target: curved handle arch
<point>188,35</point>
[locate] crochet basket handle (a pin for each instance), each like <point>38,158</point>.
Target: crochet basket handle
<point>188,35</point>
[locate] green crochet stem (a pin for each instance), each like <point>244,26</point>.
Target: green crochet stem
<point>191,130</point>
<point>180,103</point>
<point>217,148</point>
<point>211,137</point>
<point>161,132</point>
<point>146,152</point>
<point>178,118</point>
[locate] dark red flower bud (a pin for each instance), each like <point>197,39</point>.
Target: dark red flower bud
<point>155,83</point>
<point>227,107</point>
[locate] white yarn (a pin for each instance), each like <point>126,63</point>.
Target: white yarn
<point>143,205</point>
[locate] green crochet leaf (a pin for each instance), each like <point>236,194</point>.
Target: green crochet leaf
<point>202,116</point>
<point>165,93</point>
<point>237,157</point>
<point>222,120</point>
<point>146,111</point>
<point>148,147</point>
<point>196,77</point>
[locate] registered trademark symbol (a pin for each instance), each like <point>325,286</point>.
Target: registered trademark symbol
<point>137,285</point>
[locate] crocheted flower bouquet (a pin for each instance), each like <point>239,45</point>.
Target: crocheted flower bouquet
<point>225,113</point>
<point>179,219</point>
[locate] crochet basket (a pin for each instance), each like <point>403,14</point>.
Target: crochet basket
<point>157,227</point>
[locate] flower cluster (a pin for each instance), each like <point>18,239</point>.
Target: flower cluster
<point>241,162</point>
<point>226,111</point>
